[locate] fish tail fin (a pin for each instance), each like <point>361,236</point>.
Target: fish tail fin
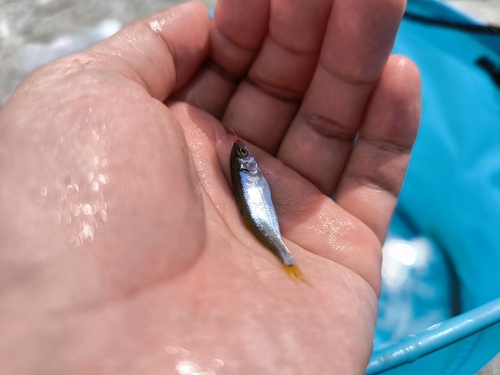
<point>295,273</point>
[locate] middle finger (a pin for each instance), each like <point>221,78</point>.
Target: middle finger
<point>266,101</point>
<point>357,44</point>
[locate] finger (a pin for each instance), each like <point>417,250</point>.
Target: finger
<point>357,43</point>
<point>160,52</point>
<point>266,102</point>
<point>236,35</point>
<point>371,181</point>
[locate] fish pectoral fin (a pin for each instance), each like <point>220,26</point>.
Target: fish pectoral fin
<point>295,273</point>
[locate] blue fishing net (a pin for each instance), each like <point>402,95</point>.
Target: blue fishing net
<point>442,255</point>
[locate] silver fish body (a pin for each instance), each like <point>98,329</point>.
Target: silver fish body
<point>253,197</point>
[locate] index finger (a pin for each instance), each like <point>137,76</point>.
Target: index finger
<point>160,52</point>
<point>237,32</point>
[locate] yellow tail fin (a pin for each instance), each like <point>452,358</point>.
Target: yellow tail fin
<point>295,273</point>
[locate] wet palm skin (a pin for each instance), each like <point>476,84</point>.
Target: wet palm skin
<point>123,250</point>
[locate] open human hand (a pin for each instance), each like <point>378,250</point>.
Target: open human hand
<point>123,251</point>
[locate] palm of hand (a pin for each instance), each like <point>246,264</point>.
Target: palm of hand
<point>167,260</point>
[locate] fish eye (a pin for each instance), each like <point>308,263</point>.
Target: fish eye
<point>243,152</point>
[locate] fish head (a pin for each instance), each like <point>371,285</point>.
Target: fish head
<point>242,155</point>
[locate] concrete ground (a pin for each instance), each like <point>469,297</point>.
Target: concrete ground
<point>488,11</point>
<point>32,32</point>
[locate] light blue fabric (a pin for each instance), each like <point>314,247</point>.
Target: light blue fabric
<point>452,190</point>
<point>451,195</point>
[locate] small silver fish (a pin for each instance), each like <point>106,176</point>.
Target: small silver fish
<point>253,198</point>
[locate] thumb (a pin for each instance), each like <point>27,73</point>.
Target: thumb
<point>97,199</point>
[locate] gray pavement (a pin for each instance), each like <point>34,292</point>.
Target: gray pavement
<point>488,11</point>
<point>32,32</point>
